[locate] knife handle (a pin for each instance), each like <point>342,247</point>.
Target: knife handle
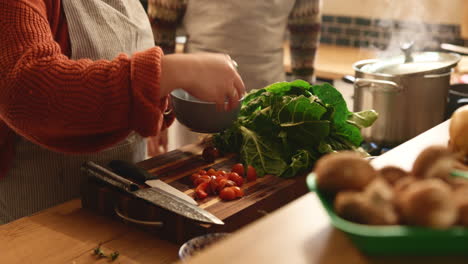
<point>108,176</point>
<point>131,171</point>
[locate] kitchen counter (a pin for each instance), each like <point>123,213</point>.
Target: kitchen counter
<point>334,62</point>
<point>68,234</point>
<point>331,63</point>
<point>300,232</point>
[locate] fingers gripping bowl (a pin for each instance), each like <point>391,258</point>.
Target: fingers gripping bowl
<point>200,116</point>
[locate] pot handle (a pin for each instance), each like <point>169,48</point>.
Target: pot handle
<point>437,75</point>
<point>390,86</point>
<point>462,102</point>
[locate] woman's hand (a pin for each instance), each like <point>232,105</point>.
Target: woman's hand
<point>210,77</point>
<point>158,144</point>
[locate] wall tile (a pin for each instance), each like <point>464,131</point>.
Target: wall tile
<point>344,20</point>
<point>378,33</point>
<point>326,18</point>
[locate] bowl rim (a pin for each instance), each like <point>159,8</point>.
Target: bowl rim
<point>184,245</point>
<point>198,100</point>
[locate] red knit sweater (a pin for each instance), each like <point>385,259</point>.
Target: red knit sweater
<point>70,106</point>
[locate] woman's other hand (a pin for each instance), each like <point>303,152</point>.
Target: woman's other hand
<point>210,77</point>
<point>158,144</point>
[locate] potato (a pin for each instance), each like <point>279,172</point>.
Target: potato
<point>458,128</point>
<point>403,183</point>
<point>344,170</point>
<point>461,199</point>
<point>458,182</point>
<point>429,203</point>
<point>355,207</point>
<point>351,206</point>
<point>373,206</point>
<point>427,157</point>
<point>392,173</point>
<point>379,192</point>
<point>441,168</point>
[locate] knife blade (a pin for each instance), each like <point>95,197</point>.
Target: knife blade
<point>132,171</point>
<point>154,196</point>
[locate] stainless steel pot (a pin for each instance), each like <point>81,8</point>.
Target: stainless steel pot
<point>408,93</point>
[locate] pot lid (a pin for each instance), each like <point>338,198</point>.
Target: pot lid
<point>420,62</point>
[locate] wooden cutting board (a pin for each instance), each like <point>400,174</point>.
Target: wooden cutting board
<point>261,196</point>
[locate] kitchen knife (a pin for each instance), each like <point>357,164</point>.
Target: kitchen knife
<point>152,195</point>
<point>141,176</point>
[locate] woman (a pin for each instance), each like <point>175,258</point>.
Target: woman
<point>252,32</point>
<point>82,80</point>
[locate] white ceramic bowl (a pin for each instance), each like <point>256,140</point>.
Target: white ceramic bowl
<point>197,244</point>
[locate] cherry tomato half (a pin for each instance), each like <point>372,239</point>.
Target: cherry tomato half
<point>251,174</point>
<point>228,194</point>
<point>211,172</point>
<point>223,183</point>
<point>238,168</point>
<point>201,191</point>
<point>201,179</point>
<point>194,176</point>
<point>233,176</point>
<point>239,192</point>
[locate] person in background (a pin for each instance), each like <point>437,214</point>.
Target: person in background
<point>82,80</point>
<point>252,32</point>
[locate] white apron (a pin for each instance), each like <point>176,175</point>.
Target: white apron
<point>250,31</point>
<point>40,178</point>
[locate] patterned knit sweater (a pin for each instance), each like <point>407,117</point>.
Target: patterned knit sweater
<point>303,24</point>
<point>70,106</point>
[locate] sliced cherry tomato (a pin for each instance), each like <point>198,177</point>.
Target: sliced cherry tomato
<point>223,182</point>
<point>201,190</point>
<point>238,168</point>
<point>239,192</point>
<point>233,176</point>
<point>228,194</point>
<point>221,173</point>
<point>214,185</point>
<point>251,174</point>
<point>194,176</point>
<point>202,172</point>
<point>211,172</point>
<point>201,179</point>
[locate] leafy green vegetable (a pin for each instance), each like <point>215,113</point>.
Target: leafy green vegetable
<point>99,253</point>
<point>284,128</point>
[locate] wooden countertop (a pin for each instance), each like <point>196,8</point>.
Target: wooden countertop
<point>68,234</point>
<point>301,232</point>
<point>333,62</point>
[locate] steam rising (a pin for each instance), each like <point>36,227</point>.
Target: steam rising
<point>406,24</point>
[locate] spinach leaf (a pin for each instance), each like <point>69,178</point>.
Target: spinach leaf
<point>262,154</point>
<point>333,98</point>
<point>363,119</point>
<point>300,161</point>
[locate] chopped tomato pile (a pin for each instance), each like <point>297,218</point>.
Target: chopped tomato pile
<point>219,182</point>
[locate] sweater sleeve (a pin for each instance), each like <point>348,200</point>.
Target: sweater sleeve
<point>304,26</point>
<point>66,105</point>
<point>165,17</point>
